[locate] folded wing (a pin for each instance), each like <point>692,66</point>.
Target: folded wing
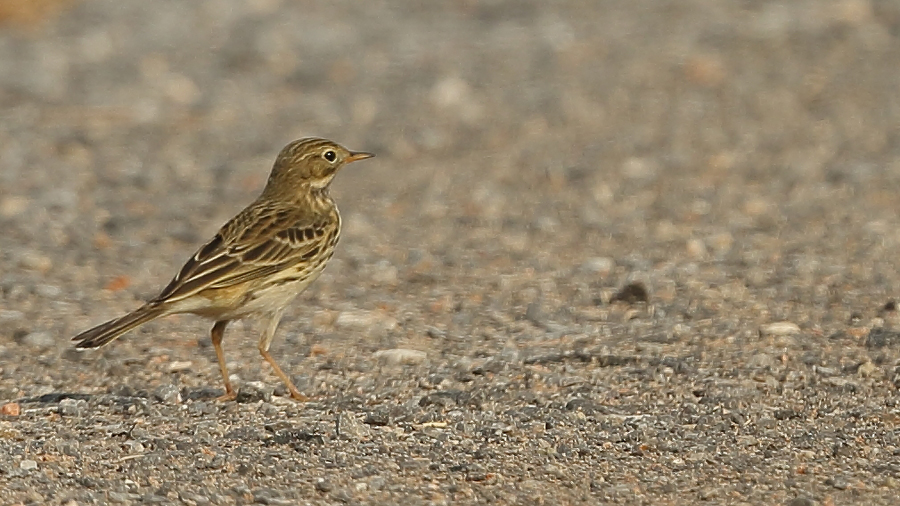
<point>255,244</point>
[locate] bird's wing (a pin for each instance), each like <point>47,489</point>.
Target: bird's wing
<point>256,243</point>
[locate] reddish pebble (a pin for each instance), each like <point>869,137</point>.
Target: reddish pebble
<point>11,409</point>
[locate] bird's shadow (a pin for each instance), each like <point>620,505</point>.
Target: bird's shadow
<point>193,394</point>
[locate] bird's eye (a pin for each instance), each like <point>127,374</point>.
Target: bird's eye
<point>329,155</point>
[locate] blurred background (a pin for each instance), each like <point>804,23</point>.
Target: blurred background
<point>735,163</point>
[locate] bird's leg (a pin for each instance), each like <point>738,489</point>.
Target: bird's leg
<point>264,341</point>
<point>217,333</point>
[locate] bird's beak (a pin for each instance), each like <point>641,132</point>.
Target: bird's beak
<point>358,156</point>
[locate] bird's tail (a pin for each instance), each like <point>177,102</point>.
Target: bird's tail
<point>107,332</point>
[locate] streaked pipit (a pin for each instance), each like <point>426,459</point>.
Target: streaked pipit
<point>260,260</point>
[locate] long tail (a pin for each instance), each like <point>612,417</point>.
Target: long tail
<point>107,332</point>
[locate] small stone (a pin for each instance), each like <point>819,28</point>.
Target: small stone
<point>39,340</point>
<point>323,485</point>
<point>838,482</point>
<point>179,365</point>
<point>599,265</point>
<point>48,291</point>
<point>167,394</point>
<point>867,369</point>
<point>801,501</point>
<point>377,418</point>
<point>352,427</point>
<point>696,248</point>
<point>879,337</point>
<point>435,333</point>
<point>268,410</point>
<point>11,409</point>
<point>254,391</point>
<point>534,313</point>
<point>399,356</point>
<point>640,168</point>
<point>384,273</point>
<point>365,320</point>
<point>134,446</point>
<point>35,261</point>
<point>72,407</point>
<point>28,465</point>
<point>779,329</point>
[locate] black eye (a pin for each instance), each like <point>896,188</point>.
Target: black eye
<point>330,155</point>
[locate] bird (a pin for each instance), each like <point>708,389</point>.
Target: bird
<point>259,261</point>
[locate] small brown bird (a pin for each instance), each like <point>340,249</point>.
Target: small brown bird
<point>260,260</point>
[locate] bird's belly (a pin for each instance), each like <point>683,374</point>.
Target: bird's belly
<point>274,297</point>
<point>238,302</point>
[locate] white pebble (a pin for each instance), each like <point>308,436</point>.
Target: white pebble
<point>398,356</point>
<point>599,265</point>
<point>364,320</point>
<point>779,329</point>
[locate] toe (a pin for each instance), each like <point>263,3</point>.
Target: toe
<point>229,396</point>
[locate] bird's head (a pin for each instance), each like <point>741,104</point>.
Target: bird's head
<point>310,162</point>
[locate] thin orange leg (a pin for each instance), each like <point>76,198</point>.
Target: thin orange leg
<point>264,341</point>
<point>217,333</point>
<point>284,377</point>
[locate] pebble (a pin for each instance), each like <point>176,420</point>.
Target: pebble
<point>39,340</point>
<point>167,394</point>
<point>323,485</point>
<point>352,427</point>
<point>364,320</point>
<point>11,409</point>
<point>384,273</point>
<point>28,465</point>
<point>179,365</point>
<point>640,168</point>
<point>867,369</point>
<point>696,248</point>
<point>399,356</point>
<point>72,407</point>
<point>838,482</point>
<point>35,261</point>
<point>779,329</point>
<point>48,291</point>
<point>880,337</point>
<point>254,391</point>
<point>599,265</point>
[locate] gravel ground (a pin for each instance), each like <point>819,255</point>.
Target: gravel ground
<point>609,251</point>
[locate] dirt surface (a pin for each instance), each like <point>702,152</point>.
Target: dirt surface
<point>608,252</point>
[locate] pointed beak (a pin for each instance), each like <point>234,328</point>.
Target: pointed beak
<point>360,155</point>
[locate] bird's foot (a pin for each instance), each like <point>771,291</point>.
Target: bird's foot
<point>297,396</point>
<point>229,396</point>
